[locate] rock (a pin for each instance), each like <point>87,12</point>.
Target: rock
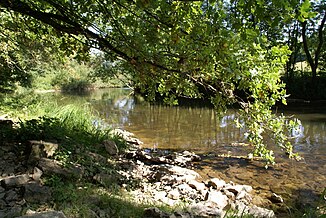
<point>51,167</point>
<point>181,214</point>
<point>253,210</point>
<point>97,157</point>
<point>111,147</point>
<point>229,194</point>
<point>10,196</point>
<point>174,194</point>
<point>261,212</point>
<point>35,193</point>
<point>11,212</point>
<point>204,210</point>
<point>105,179</point>
<point>217,198</point>
<point>199,186</point>
<point>193,156</point>
<point>3,204</point>
<point>177,174</point>
<point>37,173</point>
<point>15,181</point>
<point>2,195</point>
<point>216,183</point>
<point>185,189</point>
<point>39,149</point>
<point>158,195</point>
<point>154,212</point>
<point>236,188</point>
<point>46,214</point>
<point>127,136</point>
<point>274,198</point>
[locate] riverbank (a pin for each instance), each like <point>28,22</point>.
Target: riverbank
<point>34,181</point>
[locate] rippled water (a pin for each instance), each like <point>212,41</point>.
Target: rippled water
<point>197,128</point>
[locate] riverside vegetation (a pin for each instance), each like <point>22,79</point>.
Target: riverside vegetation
<point>55,158</point>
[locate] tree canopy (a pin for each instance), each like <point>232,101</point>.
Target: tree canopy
<point>232,52</point>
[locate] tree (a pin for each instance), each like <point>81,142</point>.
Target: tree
<point>27,45</point>
<point>306,15</point>
<point>182,49</point>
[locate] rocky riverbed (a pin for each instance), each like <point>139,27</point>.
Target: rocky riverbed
<point>157,177</point>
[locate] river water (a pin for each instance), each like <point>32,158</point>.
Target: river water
<point>197,128</point>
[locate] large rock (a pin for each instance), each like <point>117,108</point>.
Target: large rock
<point>106,179</point>
<point>111,147</point>
<point>51,167</point>
<point>36,193</point>
<point>40,149</point>
<point>217,198</point>
<point>174,194</point>
<point>15,181</point>
<point>176,174</point>
<point>154,212</point>
<point>204,209</point>
<point>47,214</point>
<point>199,186</point>
<point>253,210</point>
<point>11,212</point>
<point>216,183</point>
<point>37,173</point>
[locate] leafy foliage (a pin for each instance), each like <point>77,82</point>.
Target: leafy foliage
<point>191,49</point>
<point>28,45</point>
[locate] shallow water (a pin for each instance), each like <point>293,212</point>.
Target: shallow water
<point>198,128</point>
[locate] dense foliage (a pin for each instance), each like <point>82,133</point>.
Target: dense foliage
<point>232,52</point>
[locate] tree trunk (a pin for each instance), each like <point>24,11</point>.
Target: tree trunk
<point>313,62</point>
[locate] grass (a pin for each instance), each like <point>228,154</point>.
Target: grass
<point>84,199</point>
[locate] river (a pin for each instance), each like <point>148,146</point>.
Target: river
<point>197,128</point>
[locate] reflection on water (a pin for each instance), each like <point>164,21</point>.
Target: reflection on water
<point>200,129</point>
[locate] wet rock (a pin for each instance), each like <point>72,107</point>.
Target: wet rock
<point>15,181</point>
<point>275,198</point>
<point>154,212</point>
<point>111,147</point>
<point>47,214</point>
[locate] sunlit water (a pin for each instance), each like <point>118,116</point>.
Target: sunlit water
<point>198,129</point>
